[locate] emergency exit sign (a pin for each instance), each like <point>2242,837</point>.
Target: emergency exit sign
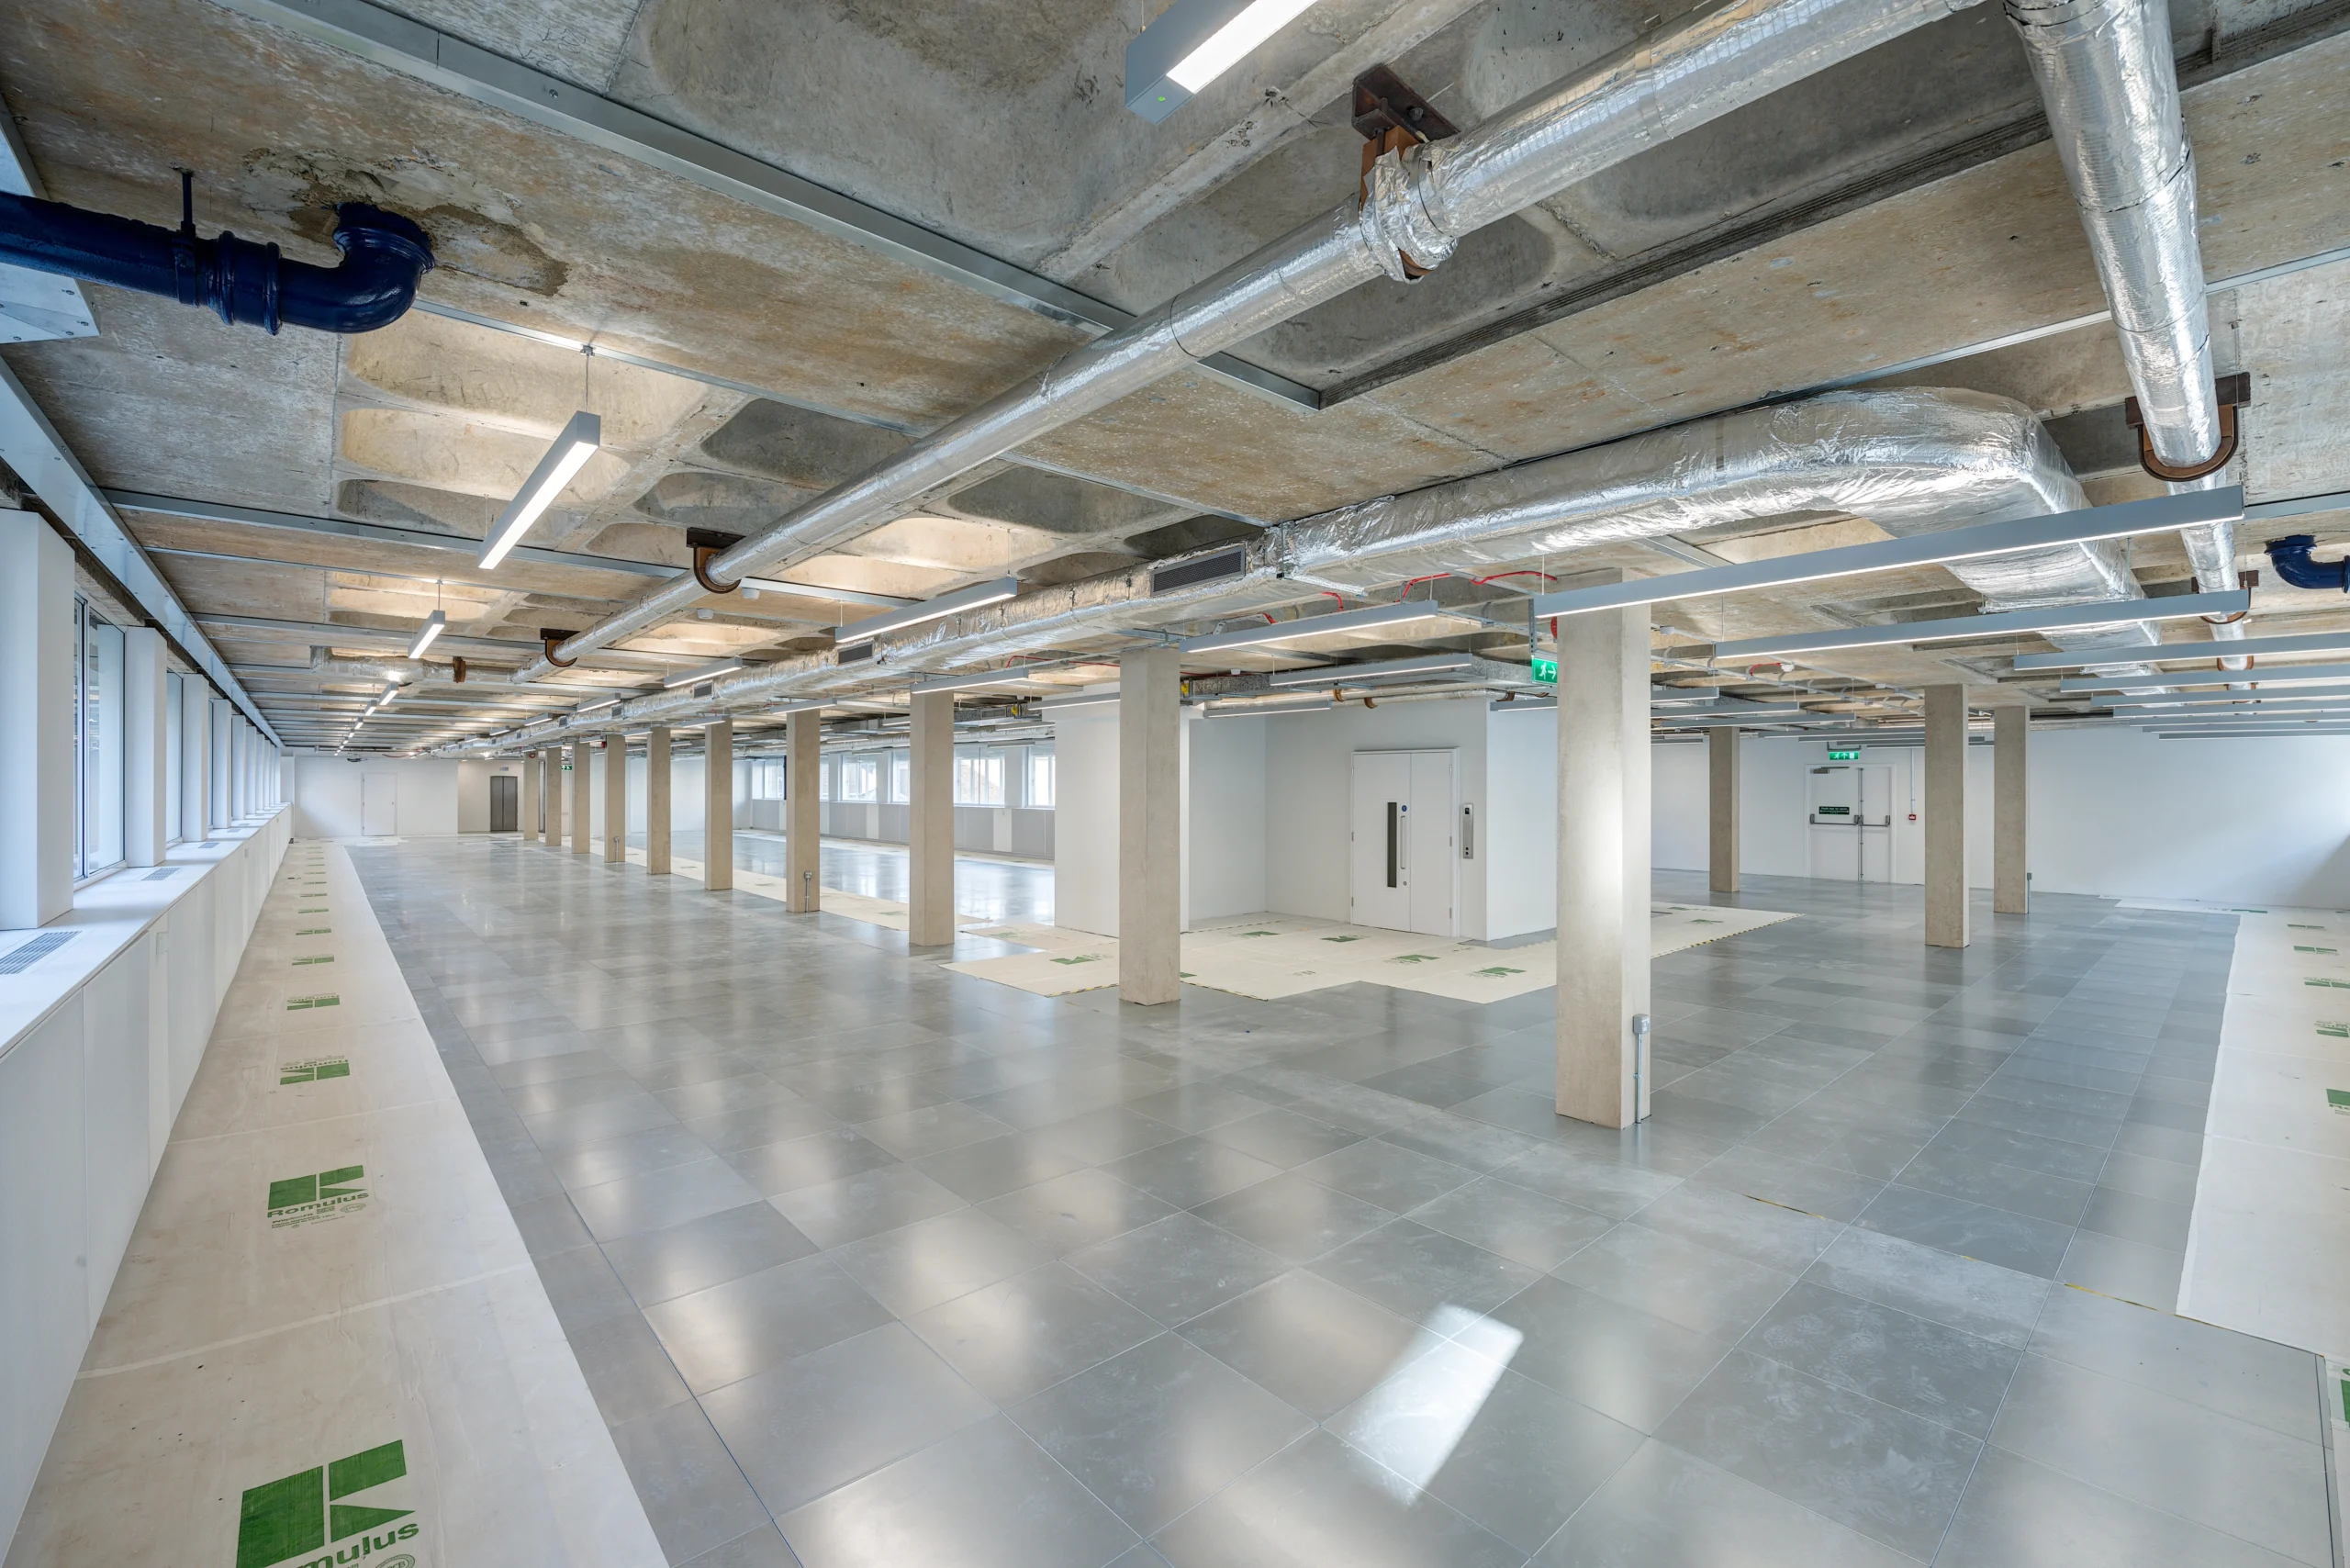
<point>1843,757</point>
<point>1546,669</point>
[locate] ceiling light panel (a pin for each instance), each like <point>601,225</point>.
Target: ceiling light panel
<point>573,447</point>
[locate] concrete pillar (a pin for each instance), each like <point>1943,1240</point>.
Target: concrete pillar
<point>217,796</point>
<point>195,771</point>
<point>1946,911</point>
<point>552,788</point>
<point>1603,864</point>
<point>615,799</point>
<point>1150,822</point>
<point>656,802</point>
<point>37,718</point>
<point>2010,811</point>
<point>146,753</point>
<point>583,798</point>
<point>527,809</point>
<point>803,814</point>
<point>718,806</point>
<point>1721,808</point>
<point>931,876</point>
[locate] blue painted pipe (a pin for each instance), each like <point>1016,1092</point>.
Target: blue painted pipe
<point>2290,556</point>
<point>383,256</point>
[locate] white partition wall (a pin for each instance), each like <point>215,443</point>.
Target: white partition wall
<point>37,720</point>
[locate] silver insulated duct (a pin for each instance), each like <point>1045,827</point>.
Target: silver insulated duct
<point>2109,83</point>
<point>1722,56</point>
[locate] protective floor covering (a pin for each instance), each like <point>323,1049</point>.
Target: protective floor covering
<point>327,1342</point>
<point>1282,956</point>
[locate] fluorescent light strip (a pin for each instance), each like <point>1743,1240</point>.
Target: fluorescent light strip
<point>696,676</point>
<point>574,445</point>
<point>2259,647</point>
<point>973,598</point>
<point>2256,735</point>
<point>1384,669</point>
<point>2159,514</point>
<point>1368,619</point>
<point>1266,710</point>
<point>2284,695</point>
<point>816,590</point>
<point>434,624</point>
<point>2266,675</point>
<point>2104,612</point>
<point>1234,41</point>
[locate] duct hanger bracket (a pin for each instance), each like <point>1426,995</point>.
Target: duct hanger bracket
<point>550,639</point>
<point>2233,392</point>
<point>1390,117</point>
<point>707,543</point>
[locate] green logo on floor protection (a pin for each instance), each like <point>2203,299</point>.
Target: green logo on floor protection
<point>305,1513</point>
<point>313,1069</point>
<point>2333,1030</point>
<point>298,1200</point>
<point>2332,984</point>
<point>2339,1099</point>
<point>1499,970</point>
<point>299,1003</point>
<point>2296,925</point>
<point>1413,958</point>
<point>2299,947</point>
<point>314,958</point>
<point>316,931</point>
<point>1080,958</point>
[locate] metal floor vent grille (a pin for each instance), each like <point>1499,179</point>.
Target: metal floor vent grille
<point>19,959</point>
<point>166,871</point>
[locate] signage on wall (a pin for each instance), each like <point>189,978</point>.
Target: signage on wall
<point>1546,669</point>
<point>1834,755</point>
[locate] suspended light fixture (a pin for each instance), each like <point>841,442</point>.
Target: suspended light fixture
<point>696,676</point>
<point>938,608</point>
<point>1192,43</point>
<point>572,449</point>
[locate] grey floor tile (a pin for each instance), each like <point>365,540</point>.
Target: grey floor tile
<point>582,1286</point>
<point>1077,1210</point>
<point>634,1154</point>
<point>2129,1271</point>
<point>693,1494</point>
<point>2134,1216</point>
<point>1197,1107</point>
<point>2254,1380</point>
<point>1316,1345</point>
<point>1416,1273</point>
<point>1973,1230</point>
<point>1176,1268</point>
<point>627,1371</point>
<point>820,1420</point>
<point>1386,1174</point>
<point>1626,1363</point>
<point>1318,1502</point>
<point>920,1265</point>
<point>549,1225</point>
<point>1819,1189</point>
<point>909,1135</point>
<point>1610,1186</point>
<point>2018,1514</point>
<point>2167,1180</point>
<point>1020,1336</point>
<point>658,1264</point>
<point>1190,1171</point>
<point>1890,1476</point>
<point>1709,1291</point>
<point>1292,1217</point>
<point>1667,1507</point>
<point>728,1332</point>
<point>1762,1232</point>
<point>992,1167</point>
<point>809,1160</point>
<point>1923,1367</point>
<point>868,1204</point>
<point>762,1548</point>
<point>1284,1137</point>
<point>2160,1452</point>
<point>1100,1136</point>
<point>1154,1430</point>
<point>1983,1299</point>
<point>660,1198</point>
<point>636,1112</point>
<point>1516,1222</point>
<point>986,1498</point>
<point>1511,1454</point>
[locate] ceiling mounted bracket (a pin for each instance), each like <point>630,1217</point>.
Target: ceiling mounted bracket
<point>550,639</point>
<point>1392,117</point>
<point>708,544</point>
<point>2233,392</point>
<point>458,679</point>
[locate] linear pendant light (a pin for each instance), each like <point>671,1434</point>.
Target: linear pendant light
<point>2266,676</point>
<point>434,624</point>
<point>2051,617</point>
<point>946,604</point>
<point>1193,42</point>
<point>2257,647</point>
<point>573,447</point>
<point>1383,670</point>
<point>696,676</point>
<point>1375,616</point>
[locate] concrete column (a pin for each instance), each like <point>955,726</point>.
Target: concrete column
<point>656,802</point>
<point>195,771</point>
<point>1946,911</point>
<point>527,809</point>
<point>37,718</point>
<point>931,878</point>
<point>1603,864</point>
<point>803,814</point>
<point>1150,822</point>
<point>1721,808</point>
<point>583,830</point>
<point>552,788</point>
<point>146,747</point>
<point>2010,811</point>
<point>615,799</point>
<point>217,796</point>
<point>718,806</point>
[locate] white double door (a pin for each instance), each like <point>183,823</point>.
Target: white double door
<point>1850,822</point>
<point>379,804</point>
<point>1403,858</point>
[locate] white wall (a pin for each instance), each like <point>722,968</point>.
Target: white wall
<point>1517,826</point>
<point>1085,825</point>
<point>327,789</point>
<point>1224,817</point>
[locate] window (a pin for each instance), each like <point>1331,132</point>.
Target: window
<point>174,752</point>
<point>98,742</point>
<point>901,778</point>
<point>979,779</point>
<point>860,778</point>
<point>767,781</point>
<point>1040,781</point>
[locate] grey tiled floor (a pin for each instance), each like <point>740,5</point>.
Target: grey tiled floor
<point>877,1265</point>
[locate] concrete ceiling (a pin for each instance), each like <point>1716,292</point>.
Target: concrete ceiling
<point>1902,207</point>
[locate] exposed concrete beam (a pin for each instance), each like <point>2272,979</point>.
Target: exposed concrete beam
<point>324,633</point>
<point>450,62</point>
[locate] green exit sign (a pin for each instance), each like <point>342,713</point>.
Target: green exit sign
<point>1843,757</point>
<point>1546,669</point>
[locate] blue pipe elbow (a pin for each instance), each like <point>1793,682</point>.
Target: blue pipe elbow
<point>2290,556</point>
<point>384,256</point>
